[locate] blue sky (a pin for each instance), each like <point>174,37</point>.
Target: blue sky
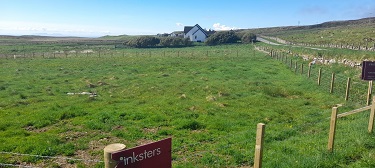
<point>92,18</point>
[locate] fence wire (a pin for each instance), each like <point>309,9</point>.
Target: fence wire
<point>357,92</point>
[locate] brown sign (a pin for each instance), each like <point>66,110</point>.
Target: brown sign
<point>368,70</point>
<point>157,154</point>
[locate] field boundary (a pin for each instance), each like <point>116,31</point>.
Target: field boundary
<point>346,87</point>
<point>335,116</point>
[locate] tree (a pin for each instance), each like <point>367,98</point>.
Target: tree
<point>248,38</point>
<point>144,42</point>
<point>223,37</point>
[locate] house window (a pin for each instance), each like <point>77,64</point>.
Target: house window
<point>195,37</point>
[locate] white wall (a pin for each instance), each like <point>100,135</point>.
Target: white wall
<point>198,36</point>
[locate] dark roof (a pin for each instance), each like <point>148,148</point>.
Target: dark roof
<point>178,32</point>
<point>187,29</point>
<point>204,31</point>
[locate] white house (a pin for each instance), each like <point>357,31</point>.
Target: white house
<point>195,33</point>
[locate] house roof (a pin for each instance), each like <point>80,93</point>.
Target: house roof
<point>188,28</point>
<point>178,32</point>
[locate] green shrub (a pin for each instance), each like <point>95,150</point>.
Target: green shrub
<point>175,42</point>
<point>144,42</point>
<point>248,38</point>
<point>223,37</point>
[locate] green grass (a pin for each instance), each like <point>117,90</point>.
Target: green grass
<point>208,99</point>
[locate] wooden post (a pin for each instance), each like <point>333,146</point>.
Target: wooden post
<point>286,59</point>
<point>332,83</point>
<point>295,67</point>
<point>291,63</point>
<point>369,92</point>
<point>332,129</point>
<point>347,89</point>
<point>259,145</point>
<point>319,75</point>
<point>309,71</point>
<point>108,162</point>
<point>372,115</point>
<point>302,69</point>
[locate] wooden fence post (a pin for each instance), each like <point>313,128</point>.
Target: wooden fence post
<point>369,92</point>
<point>108,162</point>
<point>309,71</point>
<point>319,76</point>
<point>347,89</point>
<point>295,67</point>
<point>302,69</point>
<point>332,83</point>
<point>372,115</point>
<point>291,63</point>
<point>259,145</point>
<point>332,129</point>
<point>286,59</point>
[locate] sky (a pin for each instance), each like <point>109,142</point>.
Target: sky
<point>95,18</point>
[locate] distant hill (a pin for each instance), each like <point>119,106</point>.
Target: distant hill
<point>357,33</point>
<point>368,22</point>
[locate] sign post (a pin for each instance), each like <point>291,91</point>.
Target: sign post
<point>157,154</point>
<point>108,162</point>
<point>368,70</point>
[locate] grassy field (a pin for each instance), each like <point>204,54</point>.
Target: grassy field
<point>208,99</point>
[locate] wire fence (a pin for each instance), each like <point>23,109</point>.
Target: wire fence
<point>346,85</point>
<point>92,53</point>
<point>215,157</point>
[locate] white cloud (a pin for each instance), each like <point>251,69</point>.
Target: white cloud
<point>179,24</point>
<point>218,27</point>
